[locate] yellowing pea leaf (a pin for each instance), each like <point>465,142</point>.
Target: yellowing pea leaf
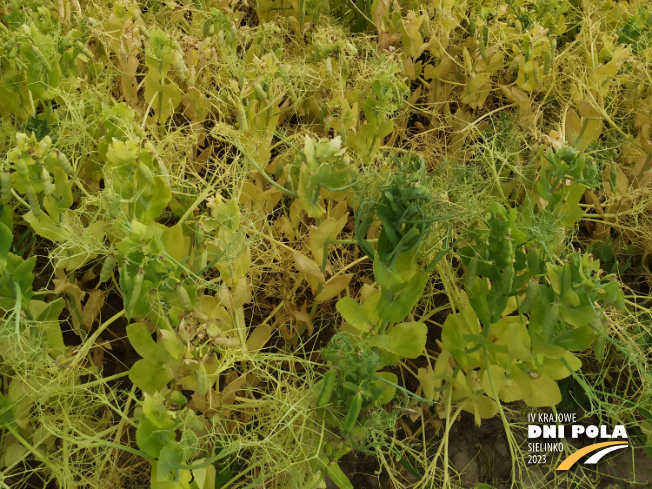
<point>234,270</point>
<point>621,182</point>
<point>602,77</point>
<point>538,390</point>
<point>258,337</point>
<point>378,10</point>
<point>53,337</point>
<point>329,148</point>
<point>525,79</point>
<point>496,62</point>
<point>581,132</point>
<point>308,267</point>
<point>242,293</point>
<point>428,383</point>
<point>329,229</point>
<point>481,407</point>
<point>412,26</point>
<point>521,99</point>
<point>307,194</point>
<point>150,375</point>
<point>46,227</point>
<point>389,390</point>
<point>176,244</point>
<point>354,314</point>
<point>587,109</point>
<point>204,477</point>
<point>496,375</point>
<point>47,316</point>
<point>164,98</point>
<point>92,307</point>
<point>432,379</point>
<point>573,125</point>
<point>309,150</point>
<point>184,480</point>
<point>555,368</point>
<point>230,391</point>
<point>578,316</point>
<point>510,391</point>
<point>227,214</point>
<point>468,64</point>
<point>284,227</point>
<point>202,380</point>
<point>142,341</point>
<point>444,68</point>
<point>509,331</point>
<point>403,301</point>
<point>172,343</point>
<point>452,336</point>
<point>333,287</point>
<point>407,340</point>
<point>161,194</point>
<point>74,298</point>
<point>338,476</point>
<point>385,276</point>
<point>13,453</point>
<point>477,90</point>
<point>196,105</point>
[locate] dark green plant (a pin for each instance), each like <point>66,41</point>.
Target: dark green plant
<point>637,30</point>
<point>353,382</point>
<point>526,313</point>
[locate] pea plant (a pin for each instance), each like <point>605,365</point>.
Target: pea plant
<point>375,334</point>
<point>254,245</point>
<point>524,311</point>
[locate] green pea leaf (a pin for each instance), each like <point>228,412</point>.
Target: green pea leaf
<point>578,316</point>
<point>142,341</point>
<point>164,98</point>
<point>407,340</point>
<point>183,482</point>
<point>555,367</point>
<point>354,314</point>
<point>150,375</point>
<point>47,314</point>
<point>6,237</point>
<point>151,439</point>
<point>576,339</point>
<point>388,390</point>
<point>338,476</point>
<point>169,460</point>
<point>404,300</point>
<point>172,343</point>
<point>176,244</point>
<point>384,275</point>
<point>452,336</point>
<point>160,196</point>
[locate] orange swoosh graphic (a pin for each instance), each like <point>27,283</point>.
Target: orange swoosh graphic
<point>570,461</point>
